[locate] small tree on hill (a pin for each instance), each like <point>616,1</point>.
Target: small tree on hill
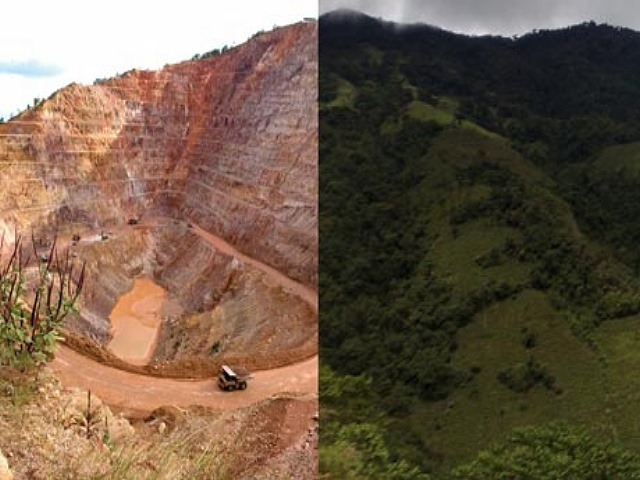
<point>35,298</point>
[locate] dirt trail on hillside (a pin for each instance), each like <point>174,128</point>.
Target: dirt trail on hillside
<point>136,394</point>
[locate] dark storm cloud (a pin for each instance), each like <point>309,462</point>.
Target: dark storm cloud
<point>506,17</point>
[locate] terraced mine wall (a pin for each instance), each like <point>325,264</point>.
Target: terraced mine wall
<point>227,143</point>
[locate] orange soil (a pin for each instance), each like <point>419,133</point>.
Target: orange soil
<point>140,394</point>
<point>135,321</point>
<point>135,393</point>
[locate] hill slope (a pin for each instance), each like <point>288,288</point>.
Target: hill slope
<point>477,199</point>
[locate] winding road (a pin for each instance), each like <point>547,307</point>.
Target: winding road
<point>139,394</point>
<point>136,394</point>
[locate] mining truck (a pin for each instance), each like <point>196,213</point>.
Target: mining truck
<point>229,379</point>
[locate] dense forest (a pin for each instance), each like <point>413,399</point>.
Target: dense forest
<point>479,269</point>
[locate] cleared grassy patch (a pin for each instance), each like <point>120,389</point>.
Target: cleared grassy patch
<point>457,258</point>
<point>619,342</point>
<point>484,410</point>
<point>469,125</point>
<point>424,112</point>
<point>445,114</point>
<point>623,158</point>
<point>391,126</point>
<point>461,147</point>
<point>345,95</point>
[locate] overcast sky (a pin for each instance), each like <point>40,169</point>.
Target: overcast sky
<point>47,44</point>
<point>504,17</point>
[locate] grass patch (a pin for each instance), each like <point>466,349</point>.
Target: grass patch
<point>391,126</point>
<point>619,342</point>
<point>469,125</point>
<point>456,257</point>
<point>462,147</point>
<point>620,158</point>
<point>346,94</point>
<point>36,426</point>
<point>484,409</point>
<point>443,116</point>
<point>424,112</point>
<point>181,455</point>
<point>16,389</point>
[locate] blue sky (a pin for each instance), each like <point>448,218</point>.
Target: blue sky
<point>47,44</point>
<point>32,68</point>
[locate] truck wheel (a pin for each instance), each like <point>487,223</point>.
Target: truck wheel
<point>243,385</point>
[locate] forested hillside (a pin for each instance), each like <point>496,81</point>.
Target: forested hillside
<point>479,269</point>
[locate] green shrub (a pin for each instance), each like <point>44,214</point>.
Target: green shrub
<point>31,317</point>
<point>550,452</point>
<point>523,376</point>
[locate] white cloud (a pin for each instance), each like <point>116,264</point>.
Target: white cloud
<point>89,40</point>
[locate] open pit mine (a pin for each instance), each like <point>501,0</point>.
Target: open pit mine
<point>191,194</point>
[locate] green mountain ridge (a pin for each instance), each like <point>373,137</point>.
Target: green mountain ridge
<point>477,267</point>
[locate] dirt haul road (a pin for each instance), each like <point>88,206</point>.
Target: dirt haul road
<point>139,394</point>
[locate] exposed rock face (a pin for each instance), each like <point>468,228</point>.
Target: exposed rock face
<point>229,142</point>
<point>5,471</point>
